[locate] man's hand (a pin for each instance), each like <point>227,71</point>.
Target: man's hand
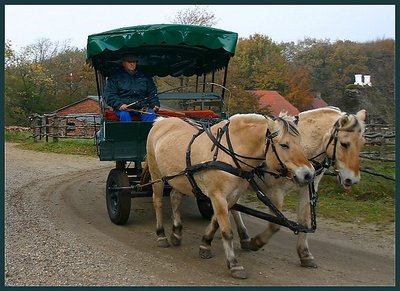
<point>156,108</point>
<point>123,107</point>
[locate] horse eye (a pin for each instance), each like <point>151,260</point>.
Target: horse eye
<point>284,146</point>
<point>344,145</point>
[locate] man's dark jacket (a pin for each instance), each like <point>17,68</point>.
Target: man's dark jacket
<point>124,88</point>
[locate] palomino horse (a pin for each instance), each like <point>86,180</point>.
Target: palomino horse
<point>329,137</point>
<point>224,157</point>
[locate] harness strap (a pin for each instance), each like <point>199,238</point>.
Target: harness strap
<point>220,133</point>
<point>191,169</point>
<point>189,174</point>
<point>218,165</point>
<point>211,165</point>
<point>279,218</point>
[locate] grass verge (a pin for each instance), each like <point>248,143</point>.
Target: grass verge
<point>63,146</point>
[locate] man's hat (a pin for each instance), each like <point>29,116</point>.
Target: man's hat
<point>130,57</point>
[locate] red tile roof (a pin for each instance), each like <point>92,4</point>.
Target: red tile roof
<point>318,103</point>
<point>276,102</point>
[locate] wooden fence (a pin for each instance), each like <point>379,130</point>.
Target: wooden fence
<point>83,126</point>
<point>381,143</point>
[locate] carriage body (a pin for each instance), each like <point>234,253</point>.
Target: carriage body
<point>193,58</point>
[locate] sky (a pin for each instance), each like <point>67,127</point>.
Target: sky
<point>25,24</point>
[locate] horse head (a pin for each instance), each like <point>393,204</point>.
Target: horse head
<point>344,144</point>
<point>284,152</point>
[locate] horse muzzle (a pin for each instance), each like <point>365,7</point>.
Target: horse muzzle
<point>347,180</point>
<point>304,176</point>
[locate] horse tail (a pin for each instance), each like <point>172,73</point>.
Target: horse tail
<point>145,175</point>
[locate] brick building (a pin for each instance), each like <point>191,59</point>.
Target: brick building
<point>80,118</point>
<point>89,105</point>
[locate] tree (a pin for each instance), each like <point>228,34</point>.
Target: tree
<point>195,16</point>
<point>43,77</point>
<point>299,91</point>
<point>260,64</point>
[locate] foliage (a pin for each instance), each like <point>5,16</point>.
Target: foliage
<point>332,66</point>
<point>299,90</point>
<point>43,77</point>
<point>195,16</point>
<point>258,64</point>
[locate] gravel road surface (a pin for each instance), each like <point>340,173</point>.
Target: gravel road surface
<point>57,233</point>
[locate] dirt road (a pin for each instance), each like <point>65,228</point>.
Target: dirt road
<point>58,233</point>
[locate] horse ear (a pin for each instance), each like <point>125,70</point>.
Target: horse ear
<point>272,124</point>
<point>361,115</point>
<point>343,120</point>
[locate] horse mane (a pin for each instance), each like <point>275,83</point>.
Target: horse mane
<point>353,124</point>
<point>323,110</point>
<point>249,117</point>
<point>288,122</point>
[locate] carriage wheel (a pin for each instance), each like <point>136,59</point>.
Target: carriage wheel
<point>118,201</point>
<point>205,208</point>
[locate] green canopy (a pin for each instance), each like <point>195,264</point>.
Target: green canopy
<point>163,49</point>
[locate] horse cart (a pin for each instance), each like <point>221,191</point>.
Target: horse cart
<point>189,65</point>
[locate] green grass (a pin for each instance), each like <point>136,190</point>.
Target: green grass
<point>370,201</point>
<point>63,146</point>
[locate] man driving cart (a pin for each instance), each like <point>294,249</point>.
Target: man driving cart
<point>132,94</point>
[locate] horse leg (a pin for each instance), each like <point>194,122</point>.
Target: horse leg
<point>242,230</point>
<point>205,246</point>
<point>261,239</point>
<point>303,217</point>
<point>158,189</point>
<point>176,235</point>
<point>221,211</point>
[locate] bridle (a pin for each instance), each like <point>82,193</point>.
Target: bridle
<point>328,161</point>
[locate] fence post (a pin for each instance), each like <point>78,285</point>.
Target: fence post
<point>56,128</point>
<point>36,127</point>
<point>46,127</point>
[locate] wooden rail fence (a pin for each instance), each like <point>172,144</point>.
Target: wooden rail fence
<point>54,126</point>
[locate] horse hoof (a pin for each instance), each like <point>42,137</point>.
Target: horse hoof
<point>245,245</point>
<point>253,246</point>
<point>238,272</point>
<point>175,241</point>
<point>205,253</point>
<point>163,242</point>
<point>308,264</point>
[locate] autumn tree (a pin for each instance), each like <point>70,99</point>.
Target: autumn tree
<point>299,91</point>
<point>37,79</point>
<point>332,66</point>
<point>260,63</point>
<point>195,16</point>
